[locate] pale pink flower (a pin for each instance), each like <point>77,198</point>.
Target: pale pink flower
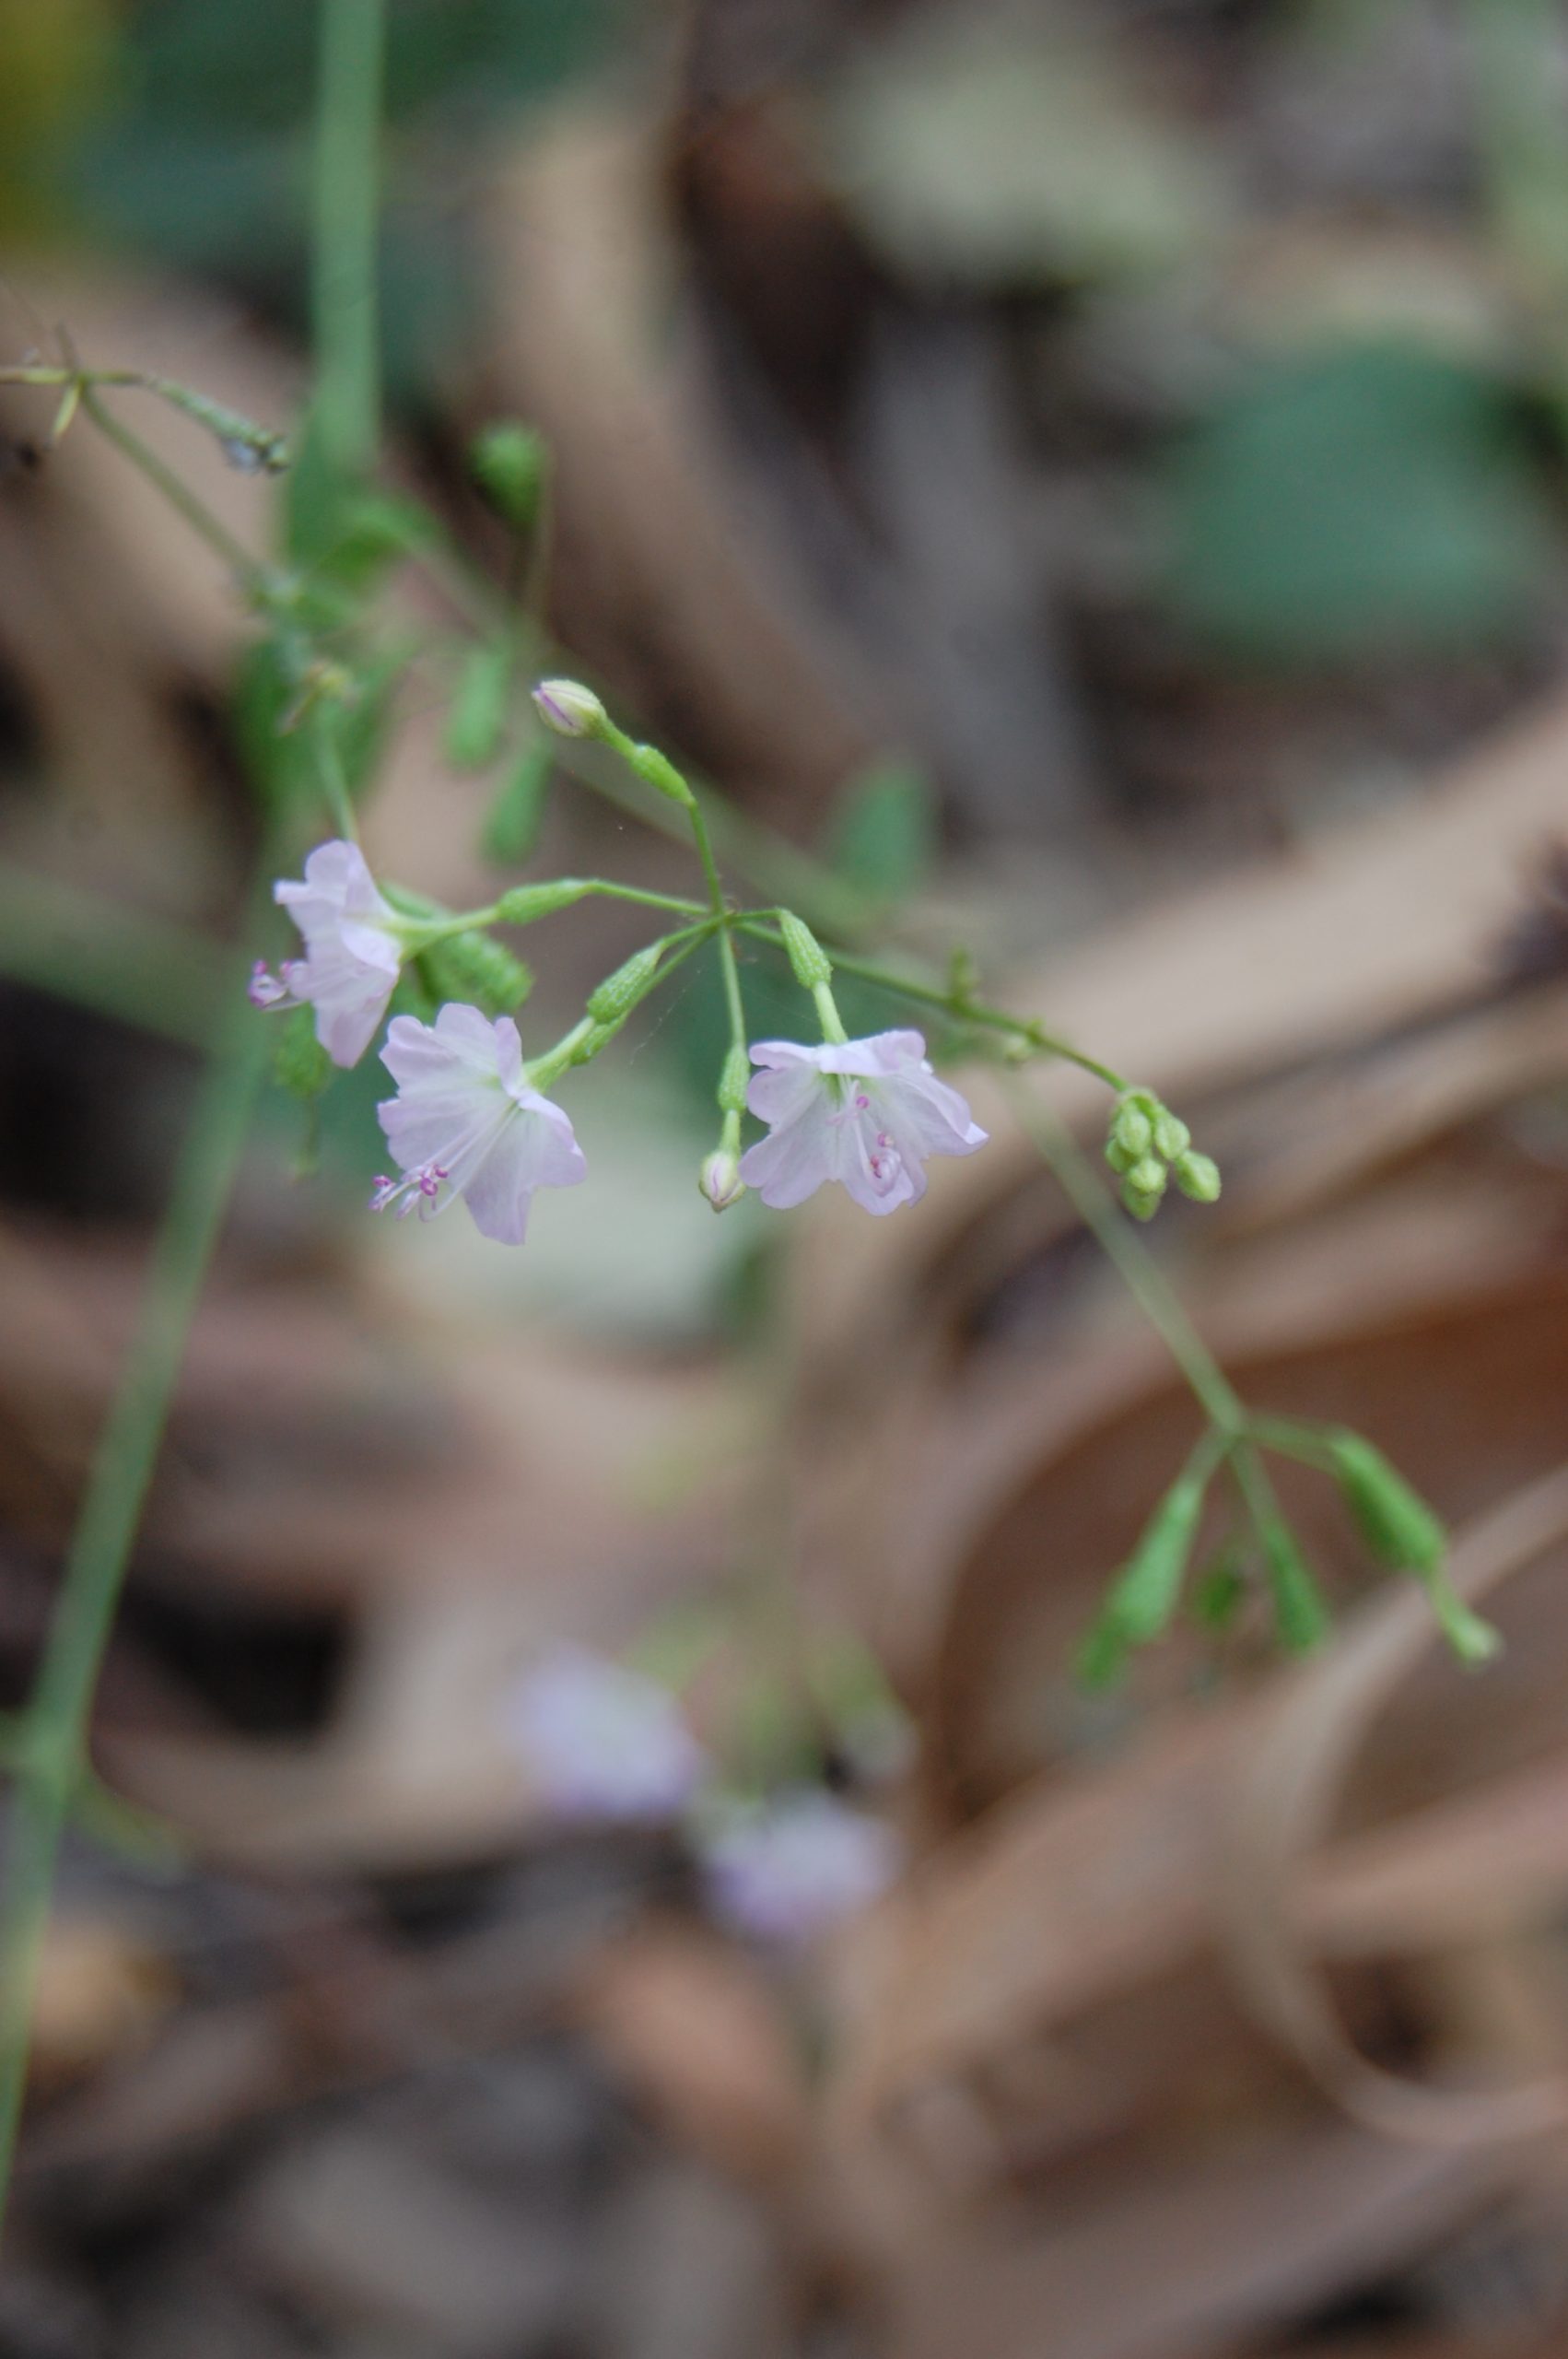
<point>788,1868</point>
<point>467,1122</point>
<point>602,1741</point>
<point>354,943</point>
<point>864,1113</point>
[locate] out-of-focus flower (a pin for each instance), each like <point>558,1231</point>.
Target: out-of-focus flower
<point>790,1868</point>
<point>866,1113</point>
<point>354,943</point>
<point>466,1123</point>
<point>604,1743</point>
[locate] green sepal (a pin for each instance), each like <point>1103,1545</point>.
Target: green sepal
<point>616,997</point>
<point>733,1081</point>
<point>657,771</point>
<point>526,902</point>
<point>809,960</point>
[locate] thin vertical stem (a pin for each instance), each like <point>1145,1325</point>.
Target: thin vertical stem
<point>53,1749</point>
<point>343,255</point>
<point>1141,1275</point>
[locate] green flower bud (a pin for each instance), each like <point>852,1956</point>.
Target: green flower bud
<point>1300,1615</point>
<point>619,993</point>
<point>1394,1521</point>
<point>1172,1136</point>
<point>720,1180</point>
<point>509,461</point>
<point>1147,1177</point>
<point>472,966</point>
<point>812,965</point>
<point>1139,1201</point>
<point>1120,1158</point>
<point>1197,1176</point>
<point>734,1081</point>
<point>1132,1131</point>
<point>570,710</point>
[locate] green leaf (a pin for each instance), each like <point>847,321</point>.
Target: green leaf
<point>478,711</point>
<point>1369,500</point>
<point>884,835</point>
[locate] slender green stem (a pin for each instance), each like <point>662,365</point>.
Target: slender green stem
<point>588,1035</point>
<point>1288,1440</point>
<point>343,251</point>
<point>55,1755</point>
<point>728,967</point>
<point>255,577</point>
<point>327,757</point>
<point>961,1009</point>
<point>1141,1275</point>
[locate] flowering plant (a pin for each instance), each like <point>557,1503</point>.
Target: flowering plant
<point>473,1111</point>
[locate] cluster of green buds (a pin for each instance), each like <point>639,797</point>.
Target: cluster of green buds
<point>1148,1146</point>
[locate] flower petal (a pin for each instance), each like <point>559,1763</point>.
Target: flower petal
<point>791,1163</point>
<point>528,1152</point>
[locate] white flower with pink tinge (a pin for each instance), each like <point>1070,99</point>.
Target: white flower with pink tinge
<point>787,1870</point>
<point>466,1122</point>
<point>602,1741</point>
<point>866,1113</point>
<point>354,944</point>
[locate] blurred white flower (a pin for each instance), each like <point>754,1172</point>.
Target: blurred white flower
<point>789,1868</point>
<point>354,943</point>
<point>603,1743</point>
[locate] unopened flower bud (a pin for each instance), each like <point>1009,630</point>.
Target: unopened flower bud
<point>720,1180</point>
<point>1172,1136</point>
<point>1198,1176</point>
<point>570,709</point>
<point>1147,1177</point>
<point>1132,1132</point>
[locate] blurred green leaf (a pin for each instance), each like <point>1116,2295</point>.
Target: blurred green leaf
<point>884,835</point>
<point>1369,500</point>
<point>1008,154</point>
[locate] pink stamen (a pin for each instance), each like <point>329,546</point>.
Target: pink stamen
<point>413,1185</point>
